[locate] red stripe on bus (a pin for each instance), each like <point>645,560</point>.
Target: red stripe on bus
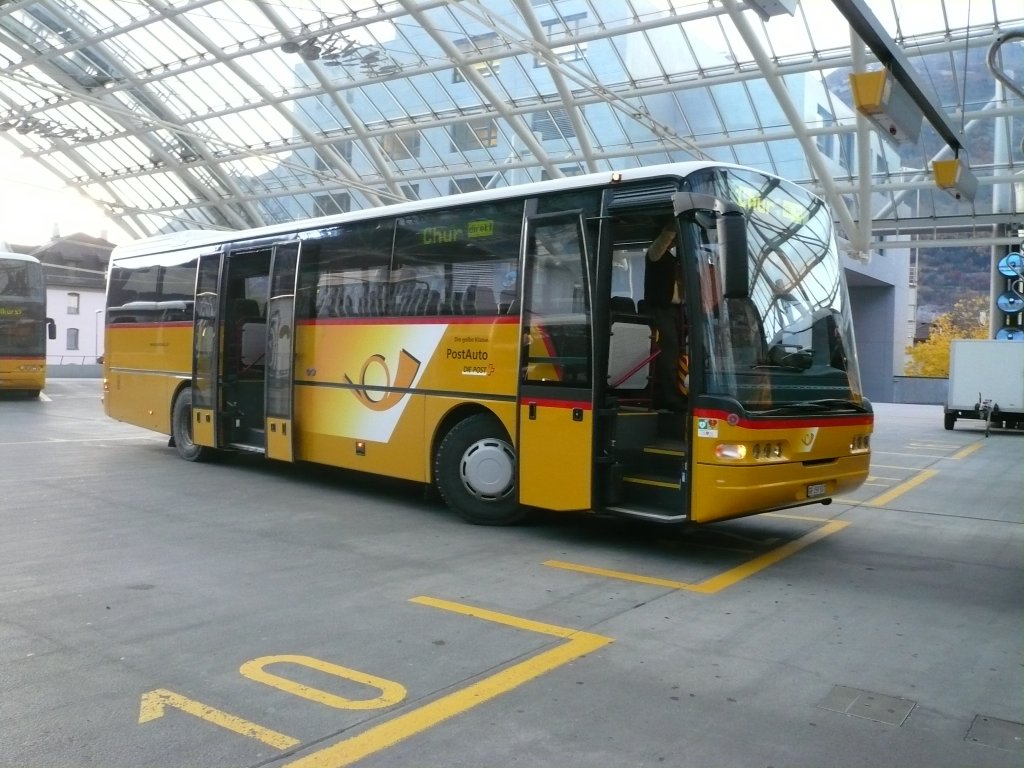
<point>788,423</point>
<point>420,320</point>
<point>168,324</point>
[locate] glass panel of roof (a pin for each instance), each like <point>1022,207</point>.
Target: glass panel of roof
<point>622,84</point>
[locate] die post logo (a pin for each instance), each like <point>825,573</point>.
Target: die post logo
<point>374,388</point>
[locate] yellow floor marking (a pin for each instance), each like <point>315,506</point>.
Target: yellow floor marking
<point>418,720</point>
<point>967,450</point>
<point>722,580</point>
<point>154,702</point>
<point>899,490</point>
<point>894,466</point>
<point>915,454</point>
<point>788,516</point>
<point>875,452</point>
<point>391,693</point>
<point>620,575</point>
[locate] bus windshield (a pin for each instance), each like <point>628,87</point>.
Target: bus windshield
<point>22,307</point>
<point>21,280</point>
<point>786,346</point>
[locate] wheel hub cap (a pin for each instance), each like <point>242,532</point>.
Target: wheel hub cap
<point>488,468</point>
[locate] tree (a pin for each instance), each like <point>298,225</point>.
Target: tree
<point>967,320</point>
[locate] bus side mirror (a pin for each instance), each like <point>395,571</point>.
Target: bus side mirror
<point>732,246</point>
<point>51,328</point>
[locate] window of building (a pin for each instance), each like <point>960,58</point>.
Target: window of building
<point>474,134</point>
<point>567,170</point>
<point>824,140</point>
<point>566,26</point>
<point>553,124</point>
<point>324,158</point>
<point>846,149</point>
<point>402,145</point>
<point>328,205</point>
<point>472,47</point>
<point>468,184</point>
<point>73,303</point>
<point>72,338</point>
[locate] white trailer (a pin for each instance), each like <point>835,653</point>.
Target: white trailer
<point>986,381</point>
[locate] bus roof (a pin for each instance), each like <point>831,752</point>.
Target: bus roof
<point>200,237</point>
<point>11,256</point>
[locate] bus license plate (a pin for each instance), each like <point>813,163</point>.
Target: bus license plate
<point>817,489</point>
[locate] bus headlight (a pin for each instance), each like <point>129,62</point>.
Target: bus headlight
<point>731,451</point>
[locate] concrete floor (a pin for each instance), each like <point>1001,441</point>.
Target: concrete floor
<point>159,613</point>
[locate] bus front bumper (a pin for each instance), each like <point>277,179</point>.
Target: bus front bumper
<point>722,492</point>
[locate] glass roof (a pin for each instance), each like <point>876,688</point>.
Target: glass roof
<point>177,114</point>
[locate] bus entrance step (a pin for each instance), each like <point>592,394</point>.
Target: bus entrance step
<point>666,447</point>
<point>662,492</point>
<point>661,459</point>
<point>648,512</point>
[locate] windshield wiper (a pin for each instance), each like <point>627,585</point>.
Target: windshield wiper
<point>787,357</point>
<point>818,406</point>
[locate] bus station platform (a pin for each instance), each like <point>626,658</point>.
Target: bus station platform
<point>157,612</point>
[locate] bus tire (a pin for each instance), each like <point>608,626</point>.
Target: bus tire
<point>181,429</point>
<point>949,421</point>
<point>475,472</point>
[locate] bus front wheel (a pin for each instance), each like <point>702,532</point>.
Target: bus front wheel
<point>181,429</point>
<point>475,472</point>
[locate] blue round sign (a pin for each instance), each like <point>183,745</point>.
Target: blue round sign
<point>1010,302</point>
<point>1010,334</point>
<point>1012,264</point>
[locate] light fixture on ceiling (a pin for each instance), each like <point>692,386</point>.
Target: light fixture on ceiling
<point>48,129</point>
<point>308,50</point>
<point>336,49</point>
<point>953,176</point>
<point>768,8</point>
<point>880,98</point>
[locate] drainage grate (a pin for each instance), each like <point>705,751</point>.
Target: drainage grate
<point>993,732</point>
<point>868,704</point>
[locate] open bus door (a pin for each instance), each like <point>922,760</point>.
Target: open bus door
<point>556,416</point>
<point>280,354</point>
<point>206,353</point>
<point>243,349</point>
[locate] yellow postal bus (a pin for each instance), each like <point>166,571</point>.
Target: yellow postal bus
<point>500,346</point>
<point>24,326</point>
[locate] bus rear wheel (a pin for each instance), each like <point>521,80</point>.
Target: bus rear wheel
<point>475,472</point>
<point>181,429</point>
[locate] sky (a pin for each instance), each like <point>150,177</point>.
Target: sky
<point>35,206</point>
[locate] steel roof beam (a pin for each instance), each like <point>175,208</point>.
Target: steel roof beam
<point>470,74</point>
<point>793,114</point>
<point>870,30</point>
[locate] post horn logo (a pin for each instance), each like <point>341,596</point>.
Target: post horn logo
<point>379,397</point>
